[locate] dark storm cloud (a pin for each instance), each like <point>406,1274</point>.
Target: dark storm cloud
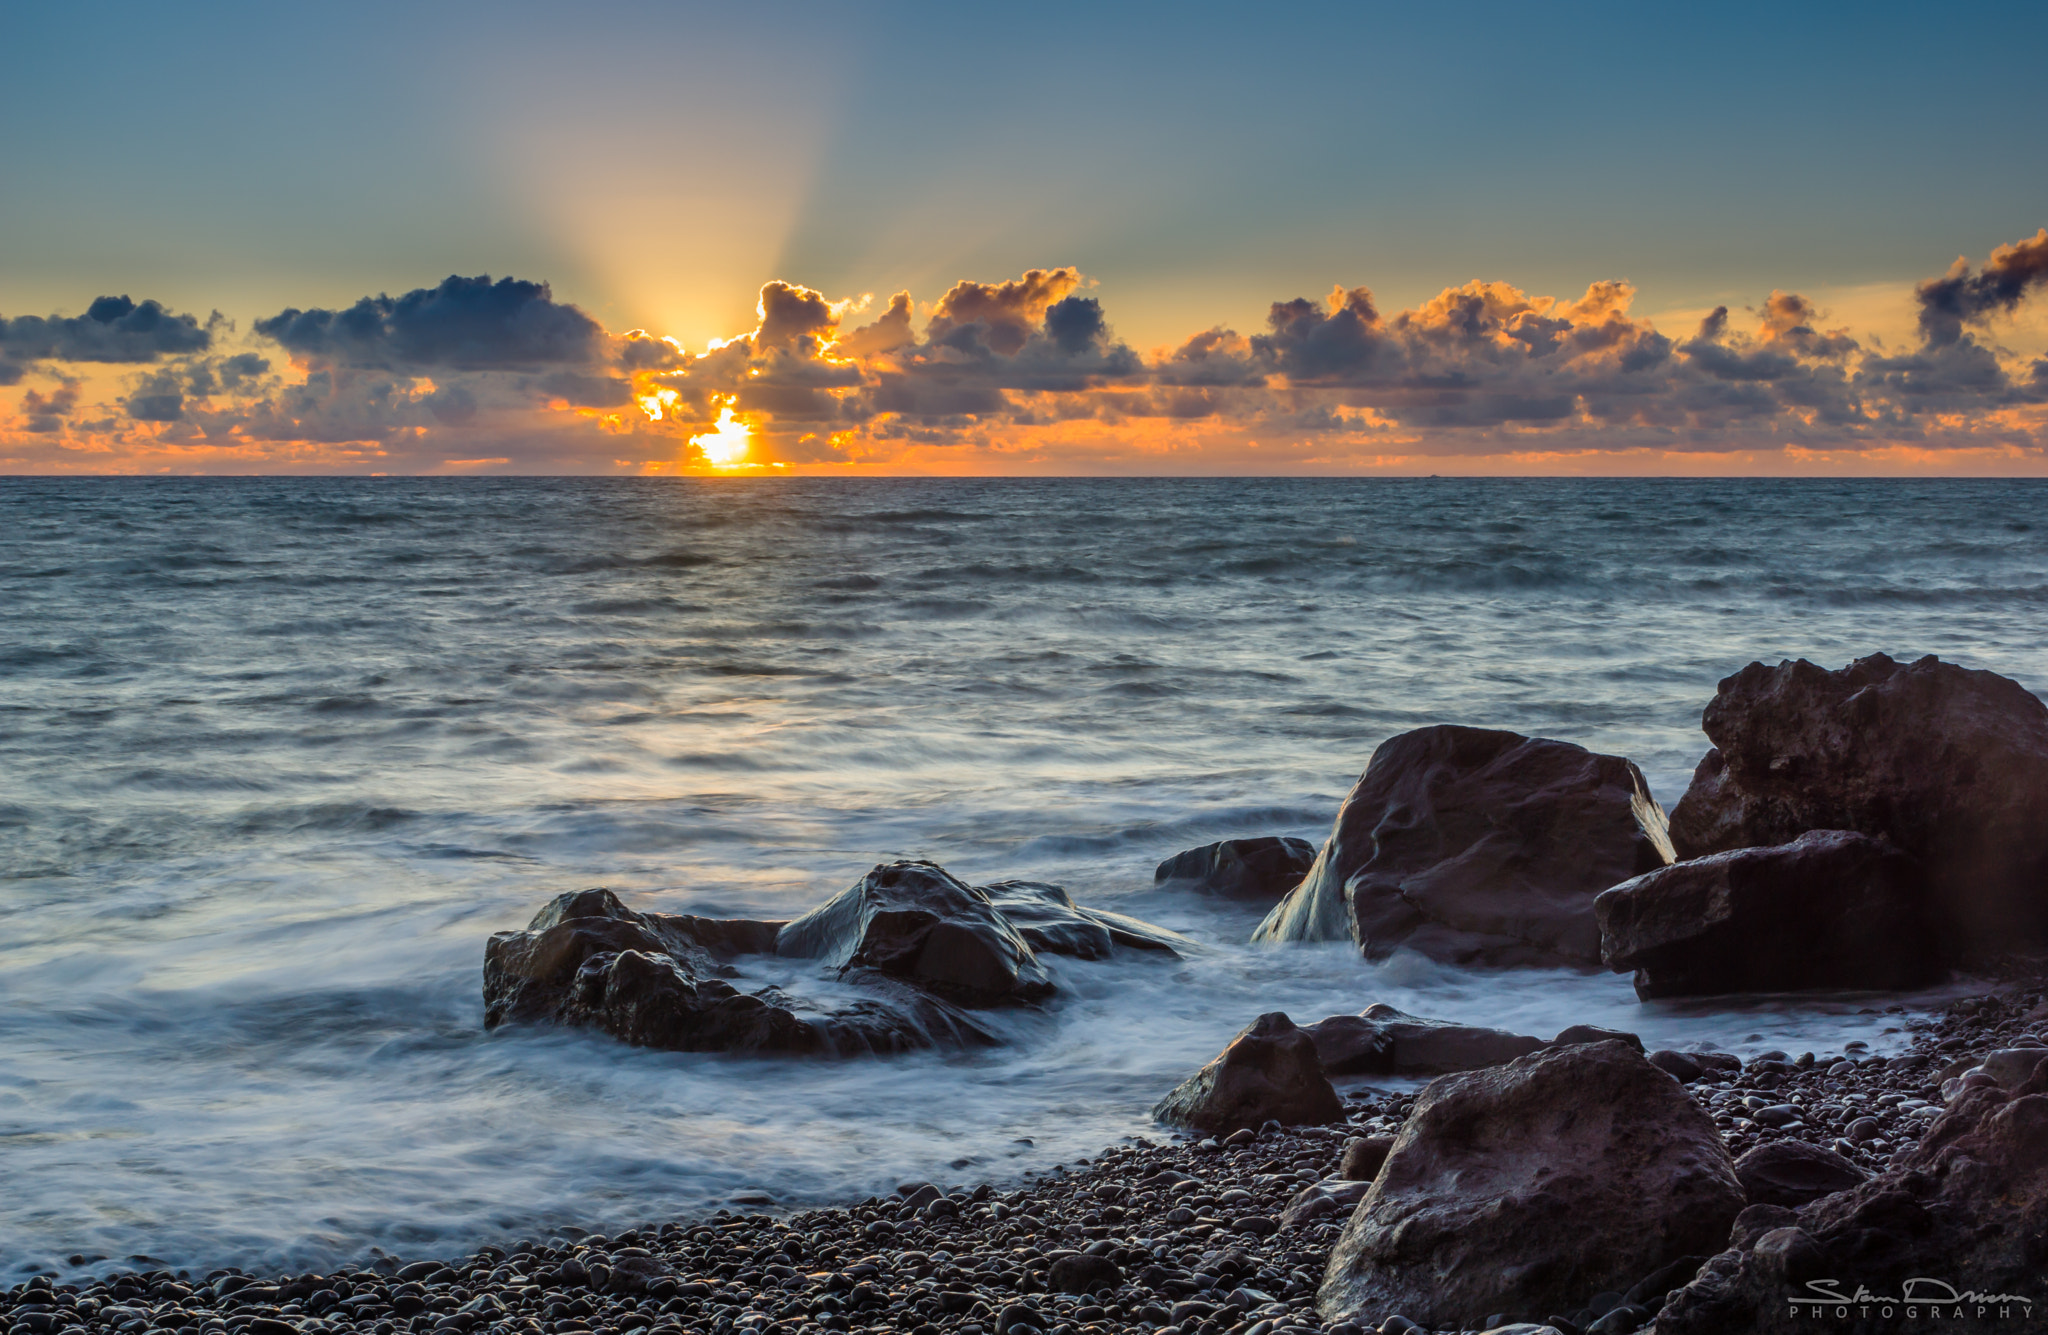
<point>44,414</point>
<point>1076,325</point>
<point>794,318</point>
<point>465,323</point>
<point>999,317</point>
<point>160,398</point>
<point>112,330</point>
<point>889,332</point>
<point>586,391</point>
<point>1960,297</point>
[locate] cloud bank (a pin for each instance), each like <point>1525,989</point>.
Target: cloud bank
<point>1027,374</point>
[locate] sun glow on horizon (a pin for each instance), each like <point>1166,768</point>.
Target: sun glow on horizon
<point>725,446</point>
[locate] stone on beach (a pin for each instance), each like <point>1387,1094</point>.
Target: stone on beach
<point>1832,909</point>
<point>1268,1072</point>
<point>1381,1040</point>
<point>1478,847</point>
<point>1967,1207</point>
<point>1260,869</point>
<point>1792,1173</point>
<point>1524,1187</point>
<point>1947,763</point>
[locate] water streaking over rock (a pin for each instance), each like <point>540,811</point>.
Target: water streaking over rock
<point>277,756</point>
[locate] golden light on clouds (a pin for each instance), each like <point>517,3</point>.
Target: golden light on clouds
<point>724,446</point>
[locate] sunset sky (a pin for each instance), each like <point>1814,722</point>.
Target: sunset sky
<point>1054,239</point>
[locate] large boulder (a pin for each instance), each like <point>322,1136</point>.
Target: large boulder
<point>1261,869</point>
<point>918,922</point>
<point>1831,909</point>
<point>1524,1188</point>
<point>1947,763</point>
<point>1381,1040</point>
<point>1963,1212</point>
<point>1268,1072</point>
<point>1476,846</point>
<point>654,980</point>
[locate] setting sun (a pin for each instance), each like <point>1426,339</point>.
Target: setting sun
<point>726,445</point>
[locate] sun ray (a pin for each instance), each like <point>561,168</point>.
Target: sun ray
<point>725,446</point>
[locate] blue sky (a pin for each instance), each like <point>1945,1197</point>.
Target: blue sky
<point>658,162</point>
<point>1183,166</point>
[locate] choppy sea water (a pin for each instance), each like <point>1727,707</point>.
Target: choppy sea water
<point>277,755</point>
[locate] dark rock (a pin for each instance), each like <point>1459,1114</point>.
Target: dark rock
<point>918,922</point>
<point>1085,1274</point>
<point>1649,1291</point>
<point>1946,763</point>
<point>1380,1040</point>
<point>1791,1173</point>
<point>1678,1065</point>
<point>652,980</point>
<point>2010,1068</point>
<point>634,1270</point>
<point>1261,869</point>
<point>1967,1206</point>
<point>1833,909</point>
<point>1476,846</point>
<point>1593,1033</point>
<point>1268,1071</point>
<point>1363,1157</point>
<point>1321,1200</point>
<point>1524,1186</point>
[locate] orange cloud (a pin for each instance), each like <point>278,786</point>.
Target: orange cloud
<point>1028,375</point>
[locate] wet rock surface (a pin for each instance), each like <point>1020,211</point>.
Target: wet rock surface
<point>1833,909</point>
<point>1193,1225</point>
<point>1269,1072</point>
<point>925,948</point>
<point>1261,869</point>
<point>1517,1189</point>
<point>1381,1040</point>
<point>1947,763</point>
<point>660,980</point>
<point>1478,847</point>
<point>918,922</point>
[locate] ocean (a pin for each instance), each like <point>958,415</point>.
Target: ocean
<point>277,755</point>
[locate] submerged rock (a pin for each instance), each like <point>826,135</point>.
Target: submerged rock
<point>1268,1072</point>
<point>1048,918</point>
<point>653,980</point>
<point>1261,869</point>
<point>1967,1208</point>
<point>922,947</point>
<point>1947,763</point>
<point>1477,846</point>
<point>1521,1188</point>
<point>1832,909</point>
<point>918,922</point>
